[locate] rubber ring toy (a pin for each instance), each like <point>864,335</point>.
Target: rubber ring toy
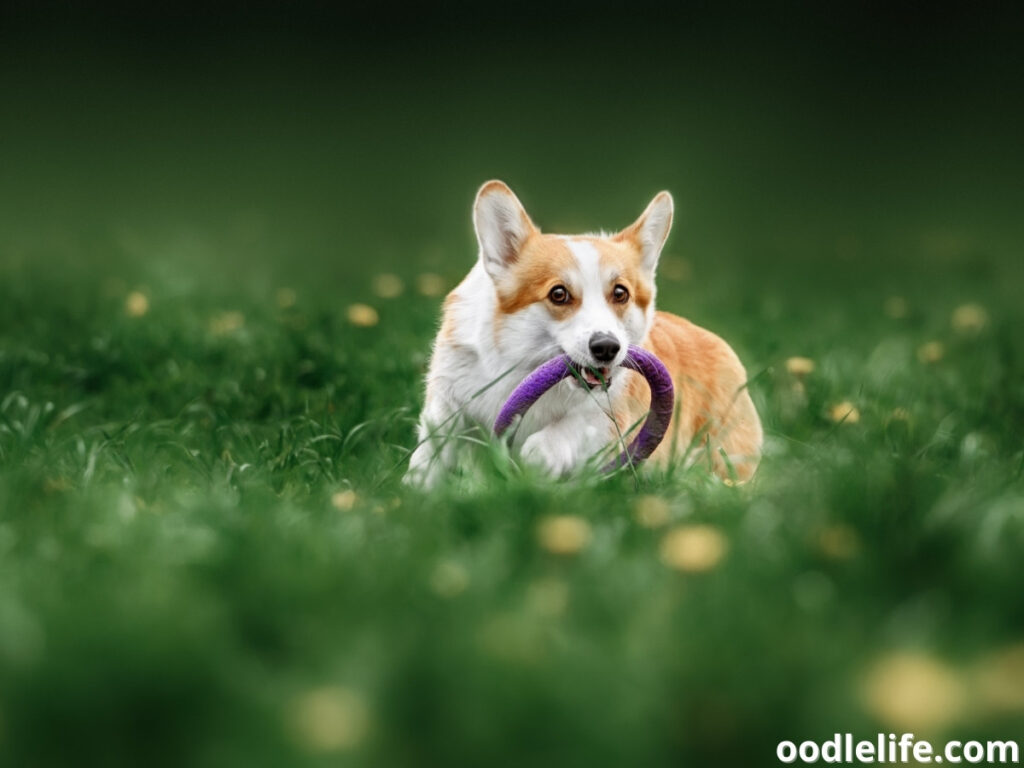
<point>545,376</point>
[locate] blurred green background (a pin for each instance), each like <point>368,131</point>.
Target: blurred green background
<point>206,557</point>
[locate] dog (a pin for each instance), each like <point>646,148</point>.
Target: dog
<point>532,296</point>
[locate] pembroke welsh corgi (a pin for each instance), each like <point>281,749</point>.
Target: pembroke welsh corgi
<point>532,296</point>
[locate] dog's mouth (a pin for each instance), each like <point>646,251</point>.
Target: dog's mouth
<point>593,378</point>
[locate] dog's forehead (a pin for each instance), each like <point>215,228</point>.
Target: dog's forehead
<point>546,251</point>
<point>590,257</point>
<point>601,254</point>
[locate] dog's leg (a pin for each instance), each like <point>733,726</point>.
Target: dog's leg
<point>564,445</point>
<point>739,437</point>
<point>435,453</point>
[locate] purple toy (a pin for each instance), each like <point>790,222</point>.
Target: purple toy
<point>640,360</point>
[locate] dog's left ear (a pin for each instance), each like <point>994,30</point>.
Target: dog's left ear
<point>502,227</point>
<point>649,232</point>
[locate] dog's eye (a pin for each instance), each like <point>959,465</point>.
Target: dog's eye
<point>620,294</point>
<point>559,295</point>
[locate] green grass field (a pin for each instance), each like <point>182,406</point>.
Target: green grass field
<point>206,554</point>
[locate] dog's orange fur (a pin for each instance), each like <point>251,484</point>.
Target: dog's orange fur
<point>539,266</point>
<point>714,412</point>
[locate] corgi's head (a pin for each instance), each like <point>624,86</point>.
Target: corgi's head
<point>590,296</point>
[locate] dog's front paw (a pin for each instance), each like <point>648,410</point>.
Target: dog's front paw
<point>546,451</point>
<point>426,468</point>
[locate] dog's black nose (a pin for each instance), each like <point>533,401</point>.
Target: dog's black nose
<point>604,347</point>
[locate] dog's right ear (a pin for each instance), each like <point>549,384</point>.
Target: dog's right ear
<point>502,226</point>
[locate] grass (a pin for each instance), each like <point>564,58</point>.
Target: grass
<point>206,555</point>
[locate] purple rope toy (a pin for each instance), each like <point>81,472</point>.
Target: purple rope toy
<point>640,360</point>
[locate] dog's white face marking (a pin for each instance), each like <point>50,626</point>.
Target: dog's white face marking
<point>593,283</point>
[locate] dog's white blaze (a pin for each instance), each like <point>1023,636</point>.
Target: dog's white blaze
<point>594,315</point>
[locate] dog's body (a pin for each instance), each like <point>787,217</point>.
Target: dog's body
<point>532,296</point>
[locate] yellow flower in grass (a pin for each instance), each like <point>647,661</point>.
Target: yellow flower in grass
<point>693,548</point>
<point>224,323</point>
<point>839,542</point>
<point>800,366</point>
<point>563,534</point>
<point>136,304</point>
<point>931,352</point>
<point>429,284</point>
<point>651,511</point>
<point>285,298</point>
<point>329,719</point>
<point>969,318</point>
<point>449,579</point>
<point>343,501</point>
<point>899,414</point>
<point>362,315</point>
<point>388,286</point>
<point>913,692</point>
<point>844,413</point>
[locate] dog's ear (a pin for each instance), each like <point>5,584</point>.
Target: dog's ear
<point>502,226</point>
<point>649,232</point>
